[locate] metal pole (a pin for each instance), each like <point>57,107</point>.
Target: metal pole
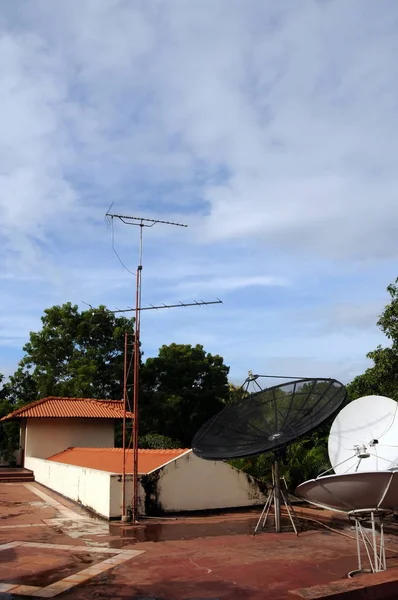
<point>358,544</point>
<point>383,564</point>
<point>277,506</point>
<point>375,557</point>
<point>265,511</point>
<point>289,512</point>
<point>141,223</point>
<point>124,516</point>
<point>136,387</point>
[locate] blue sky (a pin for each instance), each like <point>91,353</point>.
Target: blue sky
<point>270,128</point>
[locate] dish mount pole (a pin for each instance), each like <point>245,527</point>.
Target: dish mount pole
<point>375,551</point>
<point>277,495</point>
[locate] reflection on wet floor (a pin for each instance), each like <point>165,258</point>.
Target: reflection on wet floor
<point>166,531</point>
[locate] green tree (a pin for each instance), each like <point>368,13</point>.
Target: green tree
<point>155,440</point>
<point>20,389</point>
<point>305,459</point>
<point>9,432</point>
<point>182,387</point>
<point>257,466</point>
<point>382,377</point>
<point>74,354</point>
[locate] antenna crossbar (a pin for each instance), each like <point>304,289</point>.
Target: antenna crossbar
<point>179,305</point>
<point>142,220</point>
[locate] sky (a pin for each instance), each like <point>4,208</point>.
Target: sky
<point>269,128</point>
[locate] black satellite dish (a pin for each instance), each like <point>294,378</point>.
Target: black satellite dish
<point>267,420</point>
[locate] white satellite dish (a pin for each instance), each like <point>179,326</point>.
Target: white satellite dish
<point>363,451</point>
<point>364,497</point>
<point>364,436</point>
<point>353,492</point>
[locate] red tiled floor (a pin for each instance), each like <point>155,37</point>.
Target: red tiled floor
<point>40,566</point>
<point>199,557</point>
<point>18,505</point>
<point>266,566</point>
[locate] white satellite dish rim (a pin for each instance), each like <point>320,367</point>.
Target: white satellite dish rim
<point>349,492</point>
<point>362,498</point>
<point>360,423</point>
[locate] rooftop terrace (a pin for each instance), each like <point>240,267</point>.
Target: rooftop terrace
<point>51,547</point>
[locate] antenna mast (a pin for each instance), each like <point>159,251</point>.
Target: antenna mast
<point>140,222</point>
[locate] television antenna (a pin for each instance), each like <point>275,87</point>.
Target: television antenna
<point>267,420</point>
<point>140,222</point>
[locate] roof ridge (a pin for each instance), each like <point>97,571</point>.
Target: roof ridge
<point>114,408</point>
<point>74,398</point>
<point>110,459</point>
<point>25,406</point>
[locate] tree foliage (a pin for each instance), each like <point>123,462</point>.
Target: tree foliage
<point>303,459</point>
<point>76,354</point>
<point>81,354</point>
<point>182,387</point>
<point>308,457</point>
<point>9,432</point>
<point>156,440</point>
<point>382,377</point>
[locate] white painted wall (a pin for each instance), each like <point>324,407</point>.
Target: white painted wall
<point>116,495</point>
<point>89,487</point>
<point>46,437</point>
<point>191,483</point>
<point>186,484</point>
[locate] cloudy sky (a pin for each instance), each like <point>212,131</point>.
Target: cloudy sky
<point>270,128</point>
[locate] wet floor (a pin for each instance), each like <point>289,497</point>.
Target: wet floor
<point>33,567</point>
<point>203,556</point>
<point>122,535</point>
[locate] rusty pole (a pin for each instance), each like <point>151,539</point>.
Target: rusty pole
<point>136,388</point>
<point>124,516</point>
<point>141,222</point>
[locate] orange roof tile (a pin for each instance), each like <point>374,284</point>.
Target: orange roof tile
<point>111,459</point>
<point>86,408</point>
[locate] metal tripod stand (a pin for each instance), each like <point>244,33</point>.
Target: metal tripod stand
<point>375,550</point>
<point>274,497</point>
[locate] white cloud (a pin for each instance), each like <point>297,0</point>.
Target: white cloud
<point>270,128</point>
<point>227,284</point>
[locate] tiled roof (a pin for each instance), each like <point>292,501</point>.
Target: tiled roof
<point>86,408</point>
<point>111,459</point>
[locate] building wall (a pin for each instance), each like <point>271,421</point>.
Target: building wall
<point>89,487</point>
<point>185,484</point>
<point>188,484</point>
<point>45,437</point>
<point>191,483</point>
<point>116,495</point>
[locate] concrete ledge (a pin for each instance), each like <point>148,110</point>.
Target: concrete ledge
<point>377,586</point>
